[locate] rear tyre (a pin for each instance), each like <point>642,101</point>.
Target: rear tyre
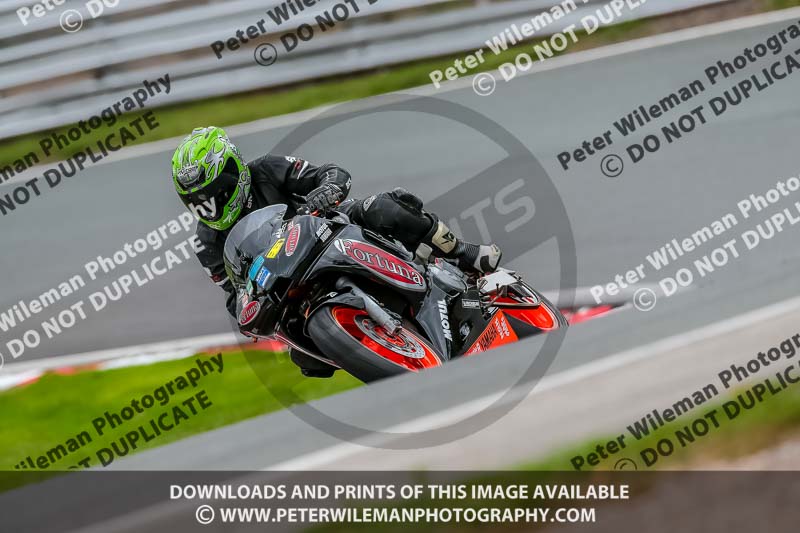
<point>351,338</point>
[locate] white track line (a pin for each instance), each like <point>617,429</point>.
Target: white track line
<point>566,60</point>
<point>448,416</point>
<point>178,347</point>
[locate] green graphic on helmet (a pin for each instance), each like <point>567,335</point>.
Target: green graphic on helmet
<point>211,177</point>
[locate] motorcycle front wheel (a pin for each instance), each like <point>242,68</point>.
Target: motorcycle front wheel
<point>364,349</point>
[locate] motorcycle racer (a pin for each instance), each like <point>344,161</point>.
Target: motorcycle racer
<point>207,168</point>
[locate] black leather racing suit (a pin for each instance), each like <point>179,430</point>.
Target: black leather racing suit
<point>276,179</point>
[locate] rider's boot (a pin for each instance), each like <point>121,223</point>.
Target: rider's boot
<point>440,242</point>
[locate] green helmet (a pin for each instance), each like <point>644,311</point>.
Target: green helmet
<point>211,177</point>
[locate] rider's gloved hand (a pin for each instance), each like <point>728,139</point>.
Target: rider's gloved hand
<point>324,197</point>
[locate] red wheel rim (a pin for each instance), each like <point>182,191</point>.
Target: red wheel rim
<point>405,349</point>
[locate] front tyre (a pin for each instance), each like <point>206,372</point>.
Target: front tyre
<point>364,349</point>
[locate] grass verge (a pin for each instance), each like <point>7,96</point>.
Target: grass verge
<point>48,413</point>
<point>760,427</point>
<point>766,424</point>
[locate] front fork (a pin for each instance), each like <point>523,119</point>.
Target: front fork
<point>377,313</point>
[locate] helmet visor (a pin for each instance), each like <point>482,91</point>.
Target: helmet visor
<point>210,201</point>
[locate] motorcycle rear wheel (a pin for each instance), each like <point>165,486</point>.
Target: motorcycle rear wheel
<point>362,348</point>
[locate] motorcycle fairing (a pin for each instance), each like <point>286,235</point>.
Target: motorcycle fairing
<point>497,333</point>
<point>434,319</point>
<point>524,316</point>
<point>352,249</point>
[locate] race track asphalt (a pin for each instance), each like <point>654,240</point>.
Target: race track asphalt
<point>616,222</point>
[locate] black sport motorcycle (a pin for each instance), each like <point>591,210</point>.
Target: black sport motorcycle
<point>358,301</point>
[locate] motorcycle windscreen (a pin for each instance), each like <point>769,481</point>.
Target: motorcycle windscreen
<point>249,238</point>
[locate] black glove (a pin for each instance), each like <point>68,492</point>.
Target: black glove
<point>323,198</point>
